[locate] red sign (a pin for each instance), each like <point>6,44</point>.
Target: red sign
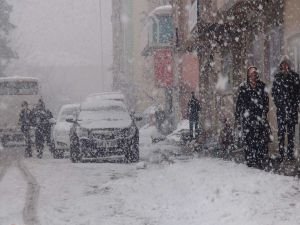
<point>163,68</point>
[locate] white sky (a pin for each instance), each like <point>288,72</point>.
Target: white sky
<point>58,41</point>
<point>61,32</point>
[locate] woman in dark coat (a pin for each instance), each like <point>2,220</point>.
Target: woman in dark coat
<point>251,115</point>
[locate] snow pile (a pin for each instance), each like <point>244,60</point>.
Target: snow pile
<point>183,126</point>
<point>156,153</point>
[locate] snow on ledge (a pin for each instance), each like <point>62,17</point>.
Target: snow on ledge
<point>161,10</point>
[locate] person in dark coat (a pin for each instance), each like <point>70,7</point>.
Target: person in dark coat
<point>41,120</point>
<point>252,107</point>
<point>285,92</point>
<point>25,123</point>
<point>193,114</point>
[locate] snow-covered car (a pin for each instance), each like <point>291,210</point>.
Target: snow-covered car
<point>61,130</point>
<point>104,128</point>
<point>117,96</point>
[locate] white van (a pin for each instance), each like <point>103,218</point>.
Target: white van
<point>13,91</point>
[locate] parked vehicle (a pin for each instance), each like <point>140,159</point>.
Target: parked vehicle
<point>14,91</point>
<point>104,128</point>
<point>61,130</point>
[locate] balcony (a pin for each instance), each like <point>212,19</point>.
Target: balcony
<point>160,29</point>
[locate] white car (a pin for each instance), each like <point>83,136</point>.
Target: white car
<point>61,130</point>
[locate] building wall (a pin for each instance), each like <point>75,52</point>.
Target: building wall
<point>143,68</point>
<point>133,74</point>
<point>189,80</point>
<point>292,41</point>
<point>291,19</point>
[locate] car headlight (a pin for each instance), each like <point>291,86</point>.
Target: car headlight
<point>82,132</point>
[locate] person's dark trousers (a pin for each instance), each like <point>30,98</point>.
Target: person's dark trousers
<point>286,125</point>
<point>193,123</point>
<point>28,150</point>
<point>39,141</point>
<point>255,148</point>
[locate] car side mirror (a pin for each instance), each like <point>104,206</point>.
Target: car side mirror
<point>70,120</point>
<point>138,118</point>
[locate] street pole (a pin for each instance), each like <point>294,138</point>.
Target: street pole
<point>101,45</point>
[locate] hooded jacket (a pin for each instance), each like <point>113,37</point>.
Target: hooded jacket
<point>252,105</point>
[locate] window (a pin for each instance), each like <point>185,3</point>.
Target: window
<point>165,29</point>
<point>275,51</point>
<point>161,30</point>
<point>294,52</point>
<point>228,68</point>
<point>18,88</point>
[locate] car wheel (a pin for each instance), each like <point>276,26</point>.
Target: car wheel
<point>58,154</point>
<point>135,153</point>
<point>4,141</point>
<point>74,156</point>
<point>132,153</point>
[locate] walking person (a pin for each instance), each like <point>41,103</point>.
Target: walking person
<point>193,114</point>
<point>251,116</point>
<point>41,117</point>
<point>285,92</point>
<point>25,123</point>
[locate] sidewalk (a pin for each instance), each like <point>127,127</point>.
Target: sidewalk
<point>209,147</point>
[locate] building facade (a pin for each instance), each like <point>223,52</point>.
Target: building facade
<point>227,37</point>
<point>134,74</point>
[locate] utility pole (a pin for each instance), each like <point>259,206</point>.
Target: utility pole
<point>101,45</point>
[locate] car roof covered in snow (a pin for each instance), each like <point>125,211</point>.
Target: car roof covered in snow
<point>70,106</point>
<point>118,96</point>
<point>18,79</point>
<point>98,103</point>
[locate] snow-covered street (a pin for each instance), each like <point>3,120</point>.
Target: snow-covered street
<point>158,190</point>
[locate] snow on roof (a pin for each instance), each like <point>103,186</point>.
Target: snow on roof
<point>165,9</point>
<point>5,79</point>
<point>107,96</point>
<point>96,103</point>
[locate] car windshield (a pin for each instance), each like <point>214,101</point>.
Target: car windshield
<point>66,113</point>
<point>109,113</point>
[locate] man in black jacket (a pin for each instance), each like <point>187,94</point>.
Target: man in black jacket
<point>285,92</point>
<point>251,115</point>
<point>25,123</point>
<point>41,120</point>
<point>193,113</point>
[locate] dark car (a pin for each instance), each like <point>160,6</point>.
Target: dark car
<point>104,128</point>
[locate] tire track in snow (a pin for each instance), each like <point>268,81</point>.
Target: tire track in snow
<point>33,190</point>
<point>6,162</point>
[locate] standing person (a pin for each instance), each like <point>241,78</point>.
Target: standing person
<point>193,114</point>
<point>25,123</point>
<point>41,117</point>
<point>251,115</point>
<point>285,92</point>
